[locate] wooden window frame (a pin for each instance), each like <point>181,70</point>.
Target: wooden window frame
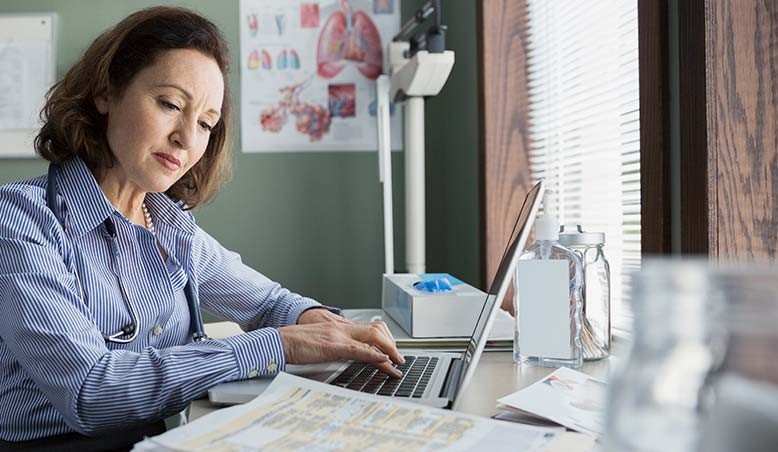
<point>504,125</point>
<point>705,134</point>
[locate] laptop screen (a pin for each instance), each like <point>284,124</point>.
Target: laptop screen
<point>501,280</point>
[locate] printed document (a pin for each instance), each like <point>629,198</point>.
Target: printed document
<point>27,71</point>
<point>295,413</point>
<point>567,397</point>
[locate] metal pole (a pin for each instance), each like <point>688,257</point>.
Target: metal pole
<point>414,185</point>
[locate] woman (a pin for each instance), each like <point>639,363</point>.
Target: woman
<point>99,260</point>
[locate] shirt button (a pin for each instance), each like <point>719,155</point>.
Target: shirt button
<point>157,330</point>
<point>252,373</point>
<point>272,367</point>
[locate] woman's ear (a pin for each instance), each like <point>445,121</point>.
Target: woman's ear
<point>102,103</point>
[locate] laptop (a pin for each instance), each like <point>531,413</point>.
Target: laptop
<point>434,379</point>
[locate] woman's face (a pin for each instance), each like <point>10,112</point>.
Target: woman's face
<point>159,127</point>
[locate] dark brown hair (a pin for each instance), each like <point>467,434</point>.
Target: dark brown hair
<point>72,125</point>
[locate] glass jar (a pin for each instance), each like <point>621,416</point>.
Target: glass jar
<point>596,312</point>
<point>702,373</point>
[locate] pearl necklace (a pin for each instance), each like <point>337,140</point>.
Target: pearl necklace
<point>147,216</point>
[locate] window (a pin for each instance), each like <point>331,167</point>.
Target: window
<point>585,123</point>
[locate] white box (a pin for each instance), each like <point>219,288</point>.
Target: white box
<point>432,314</point>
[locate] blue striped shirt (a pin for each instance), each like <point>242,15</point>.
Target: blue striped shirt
<point>61,289</point>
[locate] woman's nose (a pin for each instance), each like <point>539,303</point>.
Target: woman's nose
<point>184,133</point>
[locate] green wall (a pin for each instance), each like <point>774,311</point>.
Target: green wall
<point>313,221</point>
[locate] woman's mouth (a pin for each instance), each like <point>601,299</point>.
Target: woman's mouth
<point>168,161</point>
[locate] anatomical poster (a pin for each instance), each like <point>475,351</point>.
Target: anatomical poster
<point>308,71</point>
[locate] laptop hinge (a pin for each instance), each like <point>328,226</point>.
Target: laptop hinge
<point>451,382</point>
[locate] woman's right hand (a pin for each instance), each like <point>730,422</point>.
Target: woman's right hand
<point>371,343</point>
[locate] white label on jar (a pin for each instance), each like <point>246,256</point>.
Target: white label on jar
<point>544,308</point>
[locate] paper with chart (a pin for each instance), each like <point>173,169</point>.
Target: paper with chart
<point>308,71</point>
<point>567,397</point>
<point>27,56</point>
<point>299,414</point>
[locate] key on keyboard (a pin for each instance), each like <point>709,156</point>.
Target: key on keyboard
<point>417,371</point>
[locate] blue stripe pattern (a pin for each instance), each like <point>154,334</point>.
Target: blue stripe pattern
<point>62,288</point>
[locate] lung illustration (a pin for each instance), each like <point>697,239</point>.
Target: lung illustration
<point>349,38</point>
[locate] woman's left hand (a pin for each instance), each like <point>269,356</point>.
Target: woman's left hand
<point>320,315</point>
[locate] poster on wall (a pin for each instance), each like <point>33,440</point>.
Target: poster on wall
<point>308,71</point>
<point>27,71</point>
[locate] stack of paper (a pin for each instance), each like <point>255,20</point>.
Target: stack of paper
<point>500,336</point>
<point>299,414</point>
<point>566,397</point>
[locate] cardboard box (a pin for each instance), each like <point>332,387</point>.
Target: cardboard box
<point>432,314</point>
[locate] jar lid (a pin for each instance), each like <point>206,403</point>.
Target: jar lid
<point>578,237</point>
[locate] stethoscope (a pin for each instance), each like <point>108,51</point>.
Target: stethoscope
<point>130,330</point>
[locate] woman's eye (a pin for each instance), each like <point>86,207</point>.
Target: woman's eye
<point>206,126</point>
<point>168,105</point>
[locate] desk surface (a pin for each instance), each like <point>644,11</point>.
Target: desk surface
<point>496,376</point>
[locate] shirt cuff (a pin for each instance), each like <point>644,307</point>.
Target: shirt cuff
<point>304,305</point>
<point>259,352</point>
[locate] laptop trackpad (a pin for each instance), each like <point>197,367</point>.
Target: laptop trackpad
<point>318,372</point>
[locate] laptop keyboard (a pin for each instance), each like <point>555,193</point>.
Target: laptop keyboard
<point>362,377</point>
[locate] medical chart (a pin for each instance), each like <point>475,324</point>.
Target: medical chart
<point>299,414</point>
<point>27,63</point>
<point>308,71</point>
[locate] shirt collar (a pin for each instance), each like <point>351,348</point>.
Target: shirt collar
<point>87,207</point>
<point>170,212</point>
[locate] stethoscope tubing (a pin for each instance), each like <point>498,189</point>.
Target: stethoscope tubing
<point>195,318</point>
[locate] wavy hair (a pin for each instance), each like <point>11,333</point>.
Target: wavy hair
<point>72,125</point>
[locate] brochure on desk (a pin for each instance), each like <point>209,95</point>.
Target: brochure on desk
<point>299,414</point>
<point>567,397</point>
<point>500,337</point>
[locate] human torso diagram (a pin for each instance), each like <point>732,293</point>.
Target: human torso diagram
<point>321,77</point>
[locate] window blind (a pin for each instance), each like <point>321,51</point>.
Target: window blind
<point>585,124</point>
